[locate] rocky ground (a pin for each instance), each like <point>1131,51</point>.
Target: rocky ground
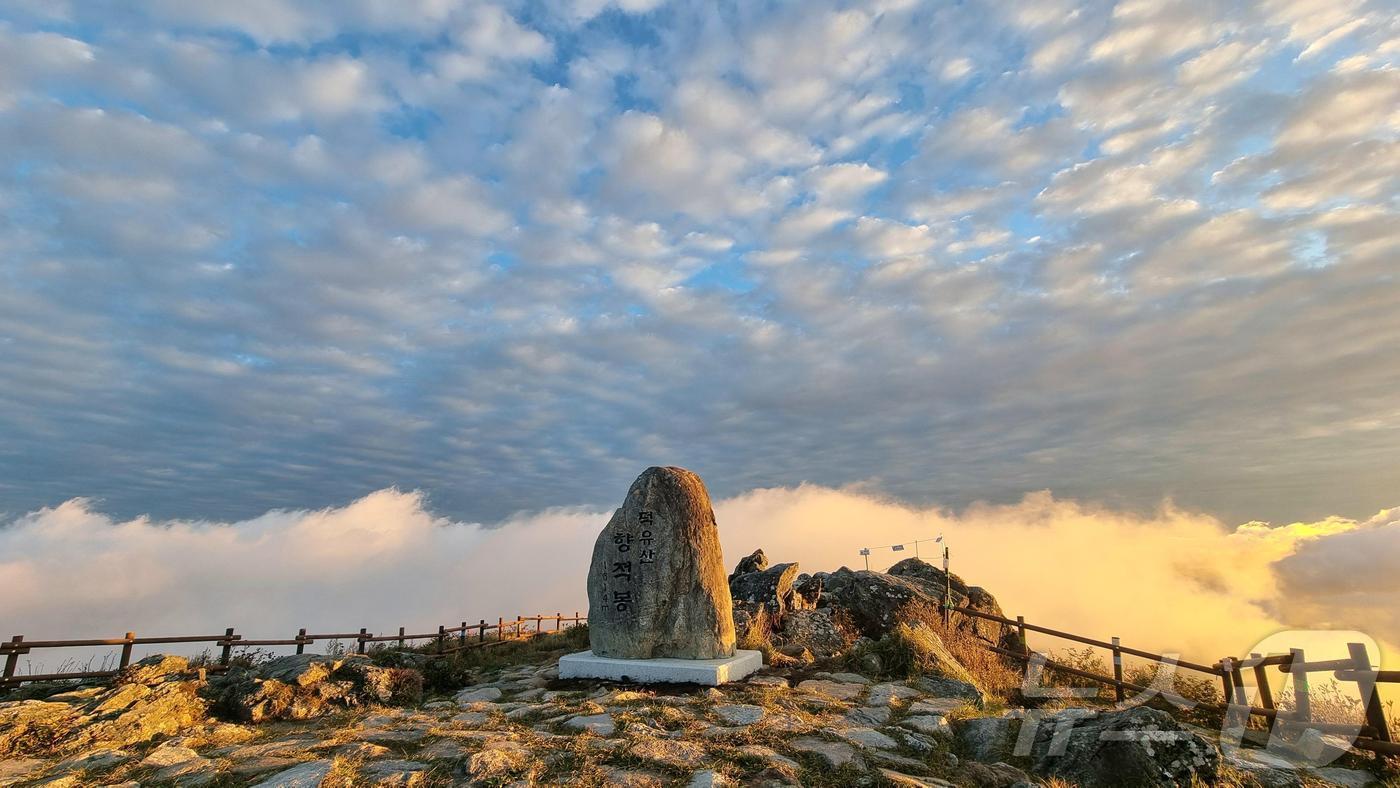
<point>825,712</point>
<point>523,726</point>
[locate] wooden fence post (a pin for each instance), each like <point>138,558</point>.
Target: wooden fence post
<point>442,638</point>
<point>400,637</point>
<point>500,628</point>
<point>126,651</point>
<point>12,659</point>
<point>481,632</point>
<point>1366,685</point>
<point>301,640</point>
<point>558,621</point>
<point>227,653</point>
<point>1228,682</point>
<point>1266,695</point>
<point>360,641</point>
<point>1117,671</point>
<point>1302,698</point>
<point>539,623</point>
<point>1025,646</point>
<point>462,639</point>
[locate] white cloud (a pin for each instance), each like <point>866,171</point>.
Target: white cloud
<point>882,238</point>
<point>75,572</point>
<point>459,203</point>
<point>955,69</point>
<point>839,184</point>
<point>271,255</point>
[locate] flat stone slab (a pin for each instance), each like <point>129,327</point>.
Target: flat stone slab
<point>709,672</point>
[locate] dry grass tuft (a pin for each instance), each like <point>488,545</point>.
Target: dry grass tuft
<point>344,773</point>
<point>758,636</point>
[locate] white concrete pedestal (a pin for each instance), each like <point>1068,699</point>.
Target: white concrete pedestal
<point>710,672</point>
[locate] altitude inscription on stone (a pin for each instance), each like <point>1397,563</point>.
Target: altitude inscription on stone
<point>656,587</point>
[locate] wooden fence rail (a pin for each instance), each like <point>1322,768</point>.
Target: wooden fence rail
<point>1373,734</point>
<point>467,636</point>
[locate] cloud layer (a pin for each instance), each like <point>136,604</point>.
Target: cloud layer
<point>283,254</point>
<point>1172,580</point>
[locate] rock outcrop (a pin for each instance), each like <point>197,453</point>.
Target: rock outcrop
<point>876,601</point>
<point>1137,746</point>
<point>656,586</point>
<point>33,725</point>
<point>771,587</point>
<point>157,696</point>
<point>304,686</point>
<point>753,562</point>
<point>1130,747</point>
<point>814,630</point>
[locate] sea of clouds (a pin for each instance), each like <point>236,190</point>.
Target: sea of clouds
<point>1170,580</point>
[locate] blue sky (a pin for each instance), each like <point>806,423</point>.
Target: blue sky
<point>269,254</point>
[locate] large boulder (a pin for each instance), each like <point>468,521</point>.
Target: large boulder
<point>753,562</point>
<point>656,586</point>
<point>962,595</point>
<point>1132,747</point>
<point>771,587</point>
<point>875,601</point>
<point>987,739</point>
<point>814,630</point>
<point>913,589</point>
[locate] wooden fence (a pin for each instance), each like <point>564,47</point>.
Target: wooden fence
<point>1373,734</point>
<point>448,640</point>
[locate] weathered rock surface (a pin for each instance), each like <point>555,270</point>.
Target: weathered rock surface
<point>656,586</point>
<point>814,630</point>
<point>832,753</point>
<point>601,724</point>
<point>988,739</point>
<point>305,686</point>
<point>771,587</point>
<point>136,718</point>
<point>1137,746</point>
<point>307,775</point>
<point>997,775</point>
<point>33,725</point>
<point>962,595</point>
<point>756,561</point>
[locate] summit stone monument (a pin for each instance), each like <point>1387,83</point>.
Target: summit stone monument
<point>659,607</point>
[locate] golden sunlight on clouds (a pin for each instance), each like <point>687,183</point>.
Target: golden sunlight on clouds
<point>1170,580</point>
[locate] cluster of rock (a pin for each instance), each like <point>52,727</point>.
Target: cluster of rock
<point>823,614</point>
<point>305,686</point>
<point>525,727</point>
<point>164,724</point>
<point>162,697</point>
